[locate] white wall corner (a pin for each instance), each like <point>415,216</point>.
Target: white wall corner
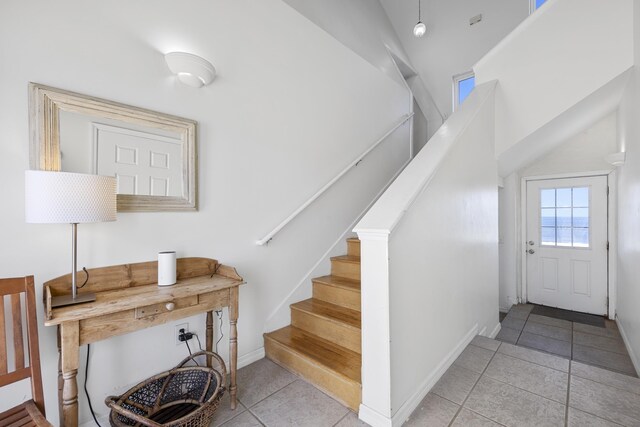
<point>632,354</point>
<point>249,358</point>
<point>495,331</point>
<point>413,402</point>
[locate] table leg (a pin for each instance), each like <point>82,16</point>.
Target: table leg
<point>69,337</point>
<point>209,335</point>
<point>233,344</point>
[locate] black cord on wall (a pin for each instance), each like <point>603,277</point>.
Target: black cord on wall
<point>86,378</point>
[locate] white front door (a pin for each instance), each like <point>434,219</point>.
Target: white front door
<point>566,246</point>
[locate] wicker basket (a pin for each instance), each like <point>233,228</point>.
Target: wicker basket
<point>183,396</point>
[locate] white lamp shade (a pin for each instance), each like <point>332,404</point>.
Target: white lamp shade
<point>69,198</point>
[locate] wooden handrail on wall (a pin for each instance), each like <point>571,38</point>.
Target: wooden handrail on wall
<point>266,239</point>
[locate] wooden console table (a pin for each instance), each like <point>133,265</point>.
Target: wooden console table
<point>128,299</point>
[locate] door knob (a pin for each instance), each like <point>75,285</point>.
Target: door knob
<point>531,243</point>
<point>170,306</point>
<point>531,251</point>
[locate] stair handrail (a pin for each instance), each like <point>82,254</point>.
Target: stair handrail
<point>266,239</point>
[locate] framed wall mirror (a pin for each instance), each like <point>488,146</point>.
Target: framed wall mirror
<point>151,154</point>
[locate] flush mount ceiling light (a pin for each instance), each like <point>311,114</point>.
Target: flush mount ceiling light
<point>191,70</point>
<point>420,29</point>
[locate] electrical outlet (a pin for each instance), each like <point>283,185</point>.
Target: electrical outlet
<point>176,333</point>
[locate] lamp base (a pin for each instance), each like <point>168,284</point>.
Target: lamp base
<point>64,300</point>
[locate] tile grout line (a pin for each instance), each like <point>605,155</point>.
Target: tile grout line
<point>566,408</point>
<point>472,388</point>
<point>340,420</point>
<point>535,363</point>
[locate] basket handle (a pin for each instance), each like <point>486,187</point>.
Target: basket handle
<point>208,354</point>
<point>110,401</point>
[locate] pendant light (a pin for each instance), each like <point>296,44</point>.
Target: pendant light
<point>420,29</point>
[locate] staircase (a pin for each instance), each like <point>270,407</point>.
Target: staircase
<point>322,344</point>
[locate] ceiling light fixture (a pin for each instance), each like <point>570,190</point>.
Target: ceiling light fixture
<point>191,70</point>
<point>420,29</point>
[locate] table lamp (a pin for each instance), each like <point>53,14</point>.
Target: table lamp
<point>69,198</point>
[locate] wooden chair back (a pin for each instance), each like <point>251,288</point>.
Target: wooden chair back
<point>10,297</point>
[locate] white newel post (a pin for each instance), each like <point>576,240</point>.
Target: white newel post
<point>376,335</point>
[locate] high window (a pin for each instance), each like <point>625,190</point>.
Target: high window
<point>534,4</point>
<point>463,84</point>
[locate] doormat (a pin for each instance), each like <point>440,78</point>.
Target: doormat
<point>571,316</point>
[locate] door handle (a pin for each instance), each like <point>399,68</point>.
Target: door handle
<point>531,251</point>
<point>531,243</point>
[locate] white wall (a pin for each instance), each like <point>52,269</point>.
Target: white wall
<point>584,152</point>
<point>628,296</point>
<point>563,53</point>
<point>420,307</point>
<point>290,108</point>
<point>361,25</point>
<point>443,255</point>
<point>451,46</point>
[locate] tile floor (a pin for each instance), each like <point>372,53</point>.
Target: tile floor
<point>592,345</point>
<point>492,383</point>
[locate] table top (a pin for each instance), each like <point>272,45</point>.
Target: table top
<point>114,301</point>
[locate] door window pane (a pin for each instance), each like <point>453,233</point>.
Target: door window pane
<point>563,197</point>
<point>581,217</point>
<point>548,236</point>
<point>564,236</point>
<point>581,237</point>
<point>548,198</point>
<point>581,197</point>
<point>548,218</point>
<point>564,217</point>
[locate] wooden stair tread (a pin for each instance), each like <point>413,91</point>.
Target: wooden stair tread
<point>353,239</point>
<point>339,282</point>
<point>338,359</point>
<point>329,311</point>
<point>347,258</point>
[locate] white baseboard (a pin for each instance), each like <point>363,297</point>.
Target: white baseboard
<point>495,331</point>
<point>373,418</point>
<point>632,354</point>
<point>249,358</point>
<point>412,403</point>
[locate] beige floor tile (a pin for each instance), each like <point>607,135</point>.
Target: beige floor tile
<point>605,402</point>
<point>433,411</point>
<point>261,379</point>
<point>535,356</point>
<point>615,345</point>
<point>513,322</point>
<point>547,344</point>
<point>512,406</point>
<point>246,419</point>
<point>582,419</point>
<point>606,377</point>
<point>611,332</point>
<point>604,359</point>
<point>548,331</point>
<point>544,320</point>
<point>351,420</point>
<point>519,313</point>
<point>299,404</point>
<point>467,418</point>
<point>486,343</point>
<point>474,358</point>
<point>456,384</point>
<point>508,335</point>
<point>224,412</point>
<point>528,376</point>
